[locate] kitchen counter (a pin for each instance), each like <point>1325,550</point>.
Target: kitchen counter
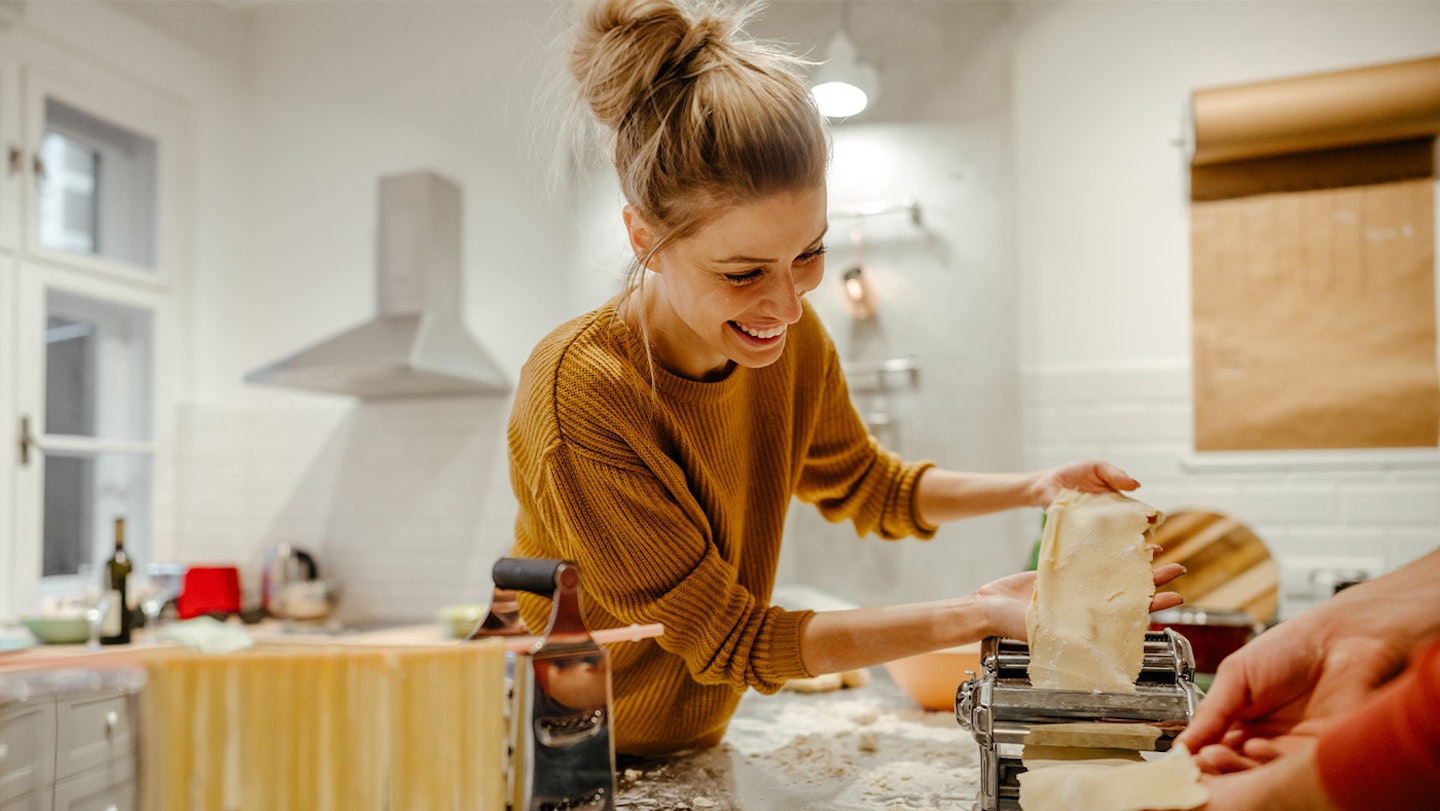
<point>862,749</point>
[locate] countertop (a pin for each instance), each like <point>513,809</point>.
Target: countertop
<point>858,749</point>
<point>865,748</point>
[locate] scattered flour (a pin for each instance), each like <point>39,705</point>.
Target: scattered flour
<point>858,750</point>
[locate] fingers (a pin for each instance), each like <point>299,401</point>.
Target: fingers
<point>1115,478</point>
<point>1164,600</point>
<point>1227,696</point>
<point>1170,571</point>
<point>1262,750</point>
<point>1217,759</point>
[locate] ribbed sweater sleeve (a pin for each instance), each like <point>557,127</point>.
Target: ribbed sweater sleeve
<point>1386,753</point>
<point>848,475</point>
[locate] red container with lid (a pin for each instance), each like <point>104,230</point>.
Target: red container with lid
<point>209,590</point>
<point>1213,634</point>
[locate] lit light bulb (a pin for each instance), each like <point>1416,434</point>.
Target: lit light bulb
<point>839,99</point>
<point>843,85</point>
<point>859,302</point>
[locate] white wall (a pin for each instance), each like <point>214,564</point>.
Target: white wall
<point>300,107</point>
<point>1103,254</point>
<point>408,503</point>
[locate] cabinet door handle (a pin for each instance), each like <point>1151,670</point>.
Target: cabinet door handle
<point>17,160</point>
<point>112,720</point>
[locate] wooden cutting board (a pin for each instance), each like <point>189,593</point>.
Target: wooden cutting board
<point>1228,566</point>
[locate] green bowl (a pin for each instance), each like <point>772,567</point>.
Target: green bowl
<point>458,621</point>
<point>59,630</point>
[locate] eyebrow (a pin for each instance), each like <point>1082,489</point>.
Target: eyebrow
<point>755,260</point>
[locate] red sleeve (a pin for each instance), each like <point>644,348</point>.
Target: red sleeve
<point>1386,754</point>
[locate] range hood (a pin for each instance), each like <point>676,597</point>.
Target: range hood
<point>417,344</point>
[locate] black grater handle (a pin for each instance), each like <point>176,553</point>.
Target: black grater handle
<point>535,575</point>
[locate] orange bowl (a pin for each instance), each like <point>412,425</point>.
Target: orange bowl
<point>932,678</point>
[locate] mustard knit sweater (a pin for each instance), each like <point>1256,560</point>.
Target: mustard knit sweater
<point>672,502</point>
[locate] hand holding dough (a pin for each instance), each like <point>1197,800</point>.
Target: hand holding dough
<point>1093,585</point>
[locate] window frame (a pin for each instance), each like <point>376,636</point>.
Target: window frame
<point>28,271</point>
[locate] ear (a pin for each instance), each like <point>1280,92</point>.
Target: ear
<point>642,237</point>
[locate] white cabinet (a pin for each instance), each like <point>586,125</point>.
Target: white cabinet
<point>27,750</point>
<point>67,741</point>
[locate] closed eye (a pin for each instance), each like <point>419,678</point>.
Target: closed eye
<point>751,275</point>
<point>810,256</point>
<point>747,276</point>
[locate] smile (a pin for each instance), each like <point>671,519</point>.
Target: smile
<point>763,335</point>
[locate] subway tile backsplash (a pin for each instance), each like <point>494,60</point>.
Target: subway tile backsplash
<point>1140,418</point>
<point>405,503</point>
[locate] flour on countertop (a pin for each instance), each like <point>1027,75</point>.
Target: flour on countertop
<point>823,752</point>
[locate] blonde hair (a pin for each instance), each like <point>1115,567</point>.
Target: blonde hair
<point>701,116</point>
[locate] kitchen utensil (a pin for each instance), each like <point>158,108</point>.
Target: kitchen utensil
<point>1004,712</point>
<point>503,617</point>
<point>209,590</point>
<point>306,600</point>
<point>284,564</point>
<point>563,753</point>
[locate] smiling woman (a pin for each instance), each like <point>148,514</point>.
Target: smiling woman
<point>658,441</point>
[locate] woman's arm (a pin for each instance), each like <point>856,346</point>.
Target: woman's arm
<point>944,495</point>
<point>836,641</point>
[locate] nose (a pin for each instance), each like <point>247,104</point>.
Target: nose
<point>785,296</point>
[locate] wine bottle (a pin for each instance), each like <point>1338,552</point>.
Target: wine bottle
<point>115,628</point>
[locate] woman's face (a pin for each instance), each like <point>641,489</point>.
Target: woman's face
<point>728,292</point>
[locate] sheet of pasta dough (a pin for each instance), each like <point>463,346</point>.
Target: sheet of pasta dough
<point>1056,780</point>
<point>1093,586</point>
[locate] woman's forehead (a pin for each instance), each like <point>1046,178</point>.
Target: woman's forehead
<point>769,227</point>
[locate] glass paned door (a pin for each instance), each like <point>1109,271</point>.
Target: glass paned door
<point>96,432</point>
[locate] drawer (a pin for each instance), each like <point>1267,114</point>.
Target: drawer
<point>109,788</point>
<point>27,748</point>
<point>92,730</point>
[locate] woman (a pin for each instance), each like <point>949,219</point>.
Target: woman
<point>658,440</point>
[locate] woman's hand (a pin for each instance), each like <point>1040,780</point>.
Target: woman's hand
<point>1087,477</point>
<point>1006,600</point>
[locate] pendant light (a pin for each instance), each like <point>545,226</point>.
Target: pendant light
<point>844,86</point>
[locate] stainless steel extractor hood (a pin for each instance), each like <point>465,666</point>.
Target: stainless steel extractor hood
<point>417,344</point>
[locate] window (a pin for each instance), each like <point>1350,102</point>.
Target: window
<point>89,285</point>
<point>96,189</point>
<point>99,462</point>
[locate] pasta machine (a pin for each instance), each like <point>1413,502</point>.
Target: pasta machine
<point>1004,712</point>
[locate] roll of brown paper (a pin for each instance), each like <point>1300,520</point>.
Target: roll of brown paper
<point>1381,103</point>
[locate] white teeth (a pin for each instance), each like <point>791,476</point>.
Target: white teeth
<point>763,334</point>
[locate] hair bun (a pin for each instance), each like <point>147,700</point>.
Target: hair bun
<point>622,48</point>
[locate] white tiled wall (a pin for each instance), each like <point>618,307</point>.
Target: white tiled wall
<point>406,504</point>
<point>1370,504</point>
